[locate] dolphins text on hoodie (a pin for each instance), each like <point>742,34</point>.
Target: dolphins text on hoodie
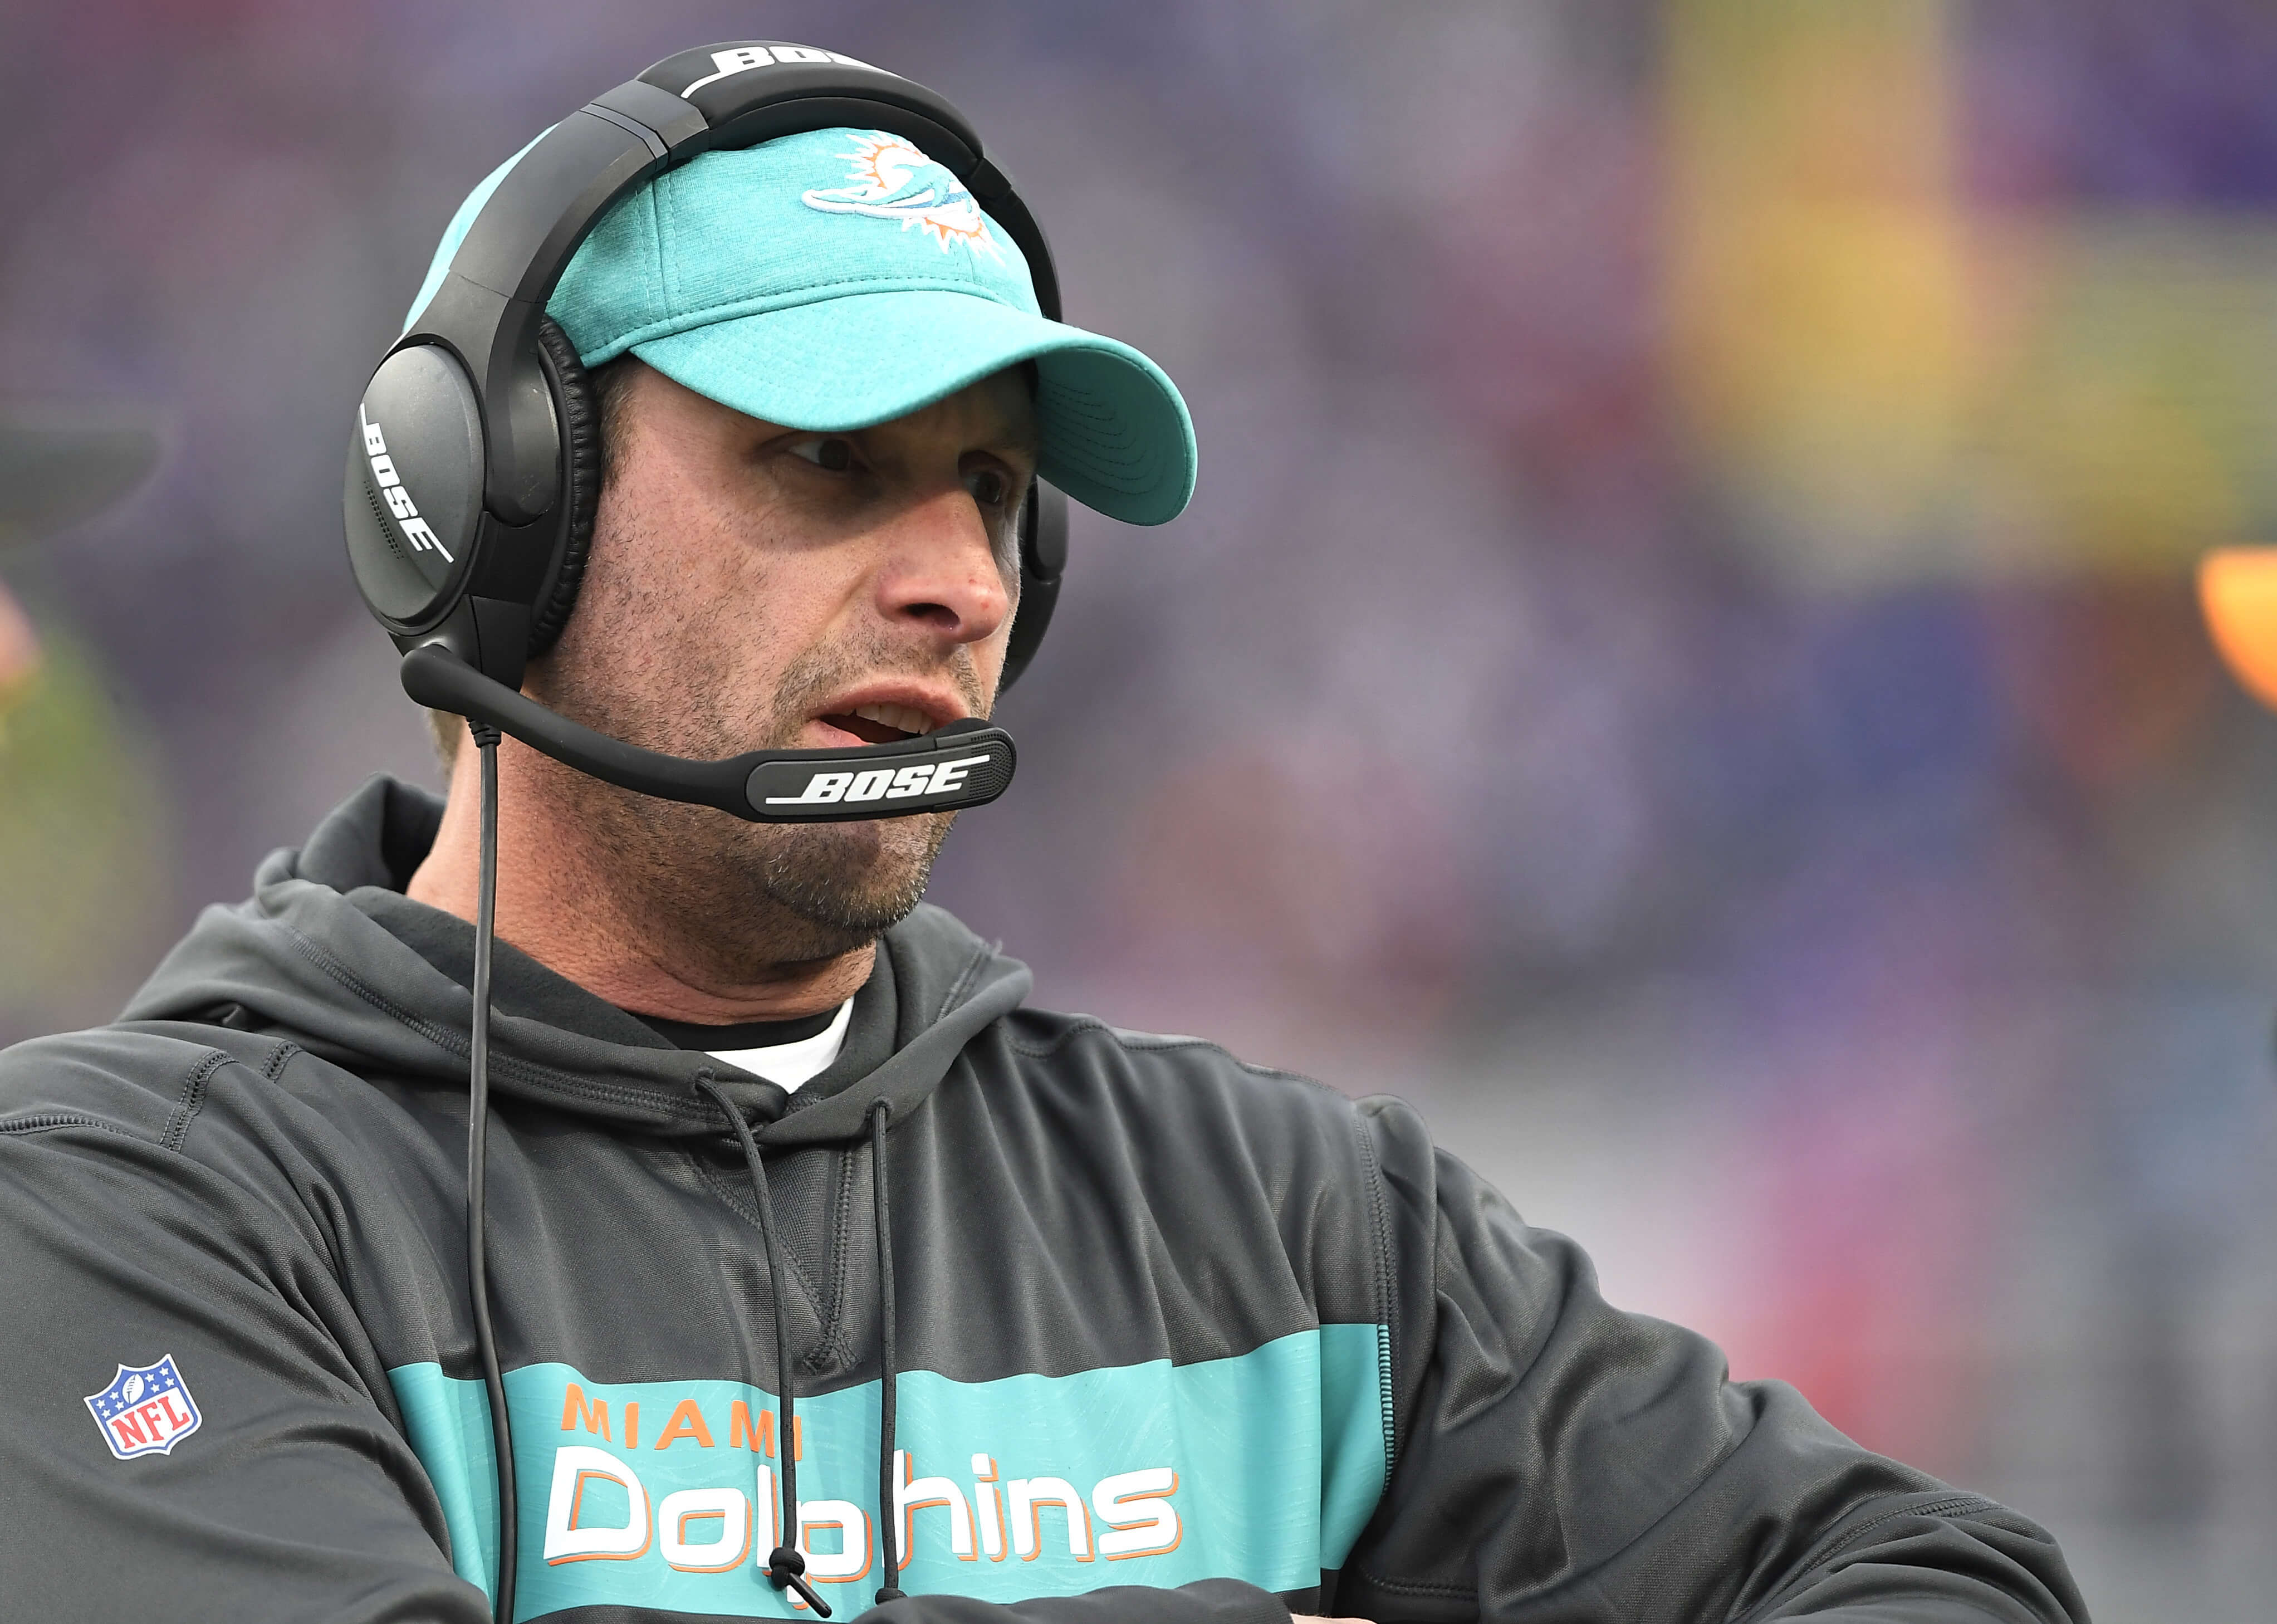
<point>1176,1338</point>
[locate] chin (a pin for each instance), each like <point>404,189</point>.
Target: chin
<point>856,878</point>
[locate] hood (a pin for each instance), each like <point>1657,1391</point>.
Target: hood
<point>329,952</point>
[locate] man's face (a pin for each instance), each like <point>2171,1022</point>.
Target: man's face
<point>756,587</point>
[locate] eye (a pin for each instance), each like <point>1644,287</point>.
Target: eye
<point>990,487</point>
<point>828,451</point>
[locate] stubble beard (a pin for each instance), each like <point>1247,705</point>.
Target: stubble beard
<point>708,892</point>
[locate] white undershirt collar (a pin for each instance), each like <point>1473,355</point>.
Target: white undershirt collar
<point>788,1065</point>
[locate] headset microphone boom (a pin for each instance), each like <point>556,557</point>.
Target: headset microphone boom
<point>964,764</point>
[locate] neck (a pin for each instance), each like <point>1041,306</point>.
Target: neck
<point>563,904</point>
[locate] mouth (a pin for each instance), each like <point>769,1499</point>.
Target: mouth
<point>883,723</point>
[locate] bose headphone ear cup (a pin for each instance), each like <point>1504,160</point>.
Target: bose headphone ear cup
<point>581,465</point>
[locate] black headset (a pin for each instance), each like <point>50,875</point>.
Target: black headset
<point>474,467</point>
<point>473,474</point>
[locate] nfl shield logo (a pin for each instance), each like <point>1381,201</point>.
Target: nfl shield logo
<point>147,1409</point>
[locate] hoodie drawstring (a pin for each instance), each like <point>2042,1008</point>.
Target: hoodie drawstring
<point>784,1565</point>
<point>889,1523</point>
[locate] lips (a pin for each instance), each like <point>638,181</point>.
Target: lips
<point>884,720</point>
<point>882,723</point>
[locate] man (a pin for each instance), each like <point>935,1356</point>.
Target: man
<point>1082,1324</point>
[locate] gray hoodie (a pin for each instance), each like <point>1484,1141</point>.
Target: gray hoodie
<point>1176,1338</point>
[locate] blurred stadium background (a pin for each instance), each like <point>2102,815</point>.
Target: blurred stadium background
<point>1682,661</point>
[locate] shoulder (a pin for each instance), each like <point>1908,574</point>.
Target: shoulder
<point>130,1111</point>
<point>206,1125</point>
<point>132,1079</point>
<point>1180,1086</point>
<point>1189,1096</point>
<point>1160,1060</point>
<point>179,1086</point>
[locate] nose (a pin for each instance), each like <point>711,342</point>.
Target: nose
<point>939,571</point>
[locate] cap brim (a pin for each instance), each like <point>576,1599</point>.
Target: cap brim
<point>1115,436</point>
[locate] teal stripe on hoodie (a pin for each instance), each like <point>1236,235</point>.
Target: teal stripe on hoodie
<point>1232,1435</point>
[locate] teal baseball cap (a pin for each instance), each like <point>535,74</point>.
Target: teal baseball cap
<point>839,279</point>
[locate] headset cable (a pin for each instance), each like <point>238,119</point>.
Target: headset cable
<point>478,1106</point>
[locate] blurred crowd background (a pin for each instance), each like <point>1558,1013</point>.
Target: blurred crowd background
<point>1683,661</point>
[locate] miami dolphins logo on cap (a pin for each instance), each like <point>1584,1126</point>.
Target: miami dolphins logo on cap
<point>892,180</point>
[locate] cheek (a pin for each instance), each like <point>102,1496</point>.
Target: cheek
<point>705,607</point>
<point>678,563</point>
<point>671,615</point>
